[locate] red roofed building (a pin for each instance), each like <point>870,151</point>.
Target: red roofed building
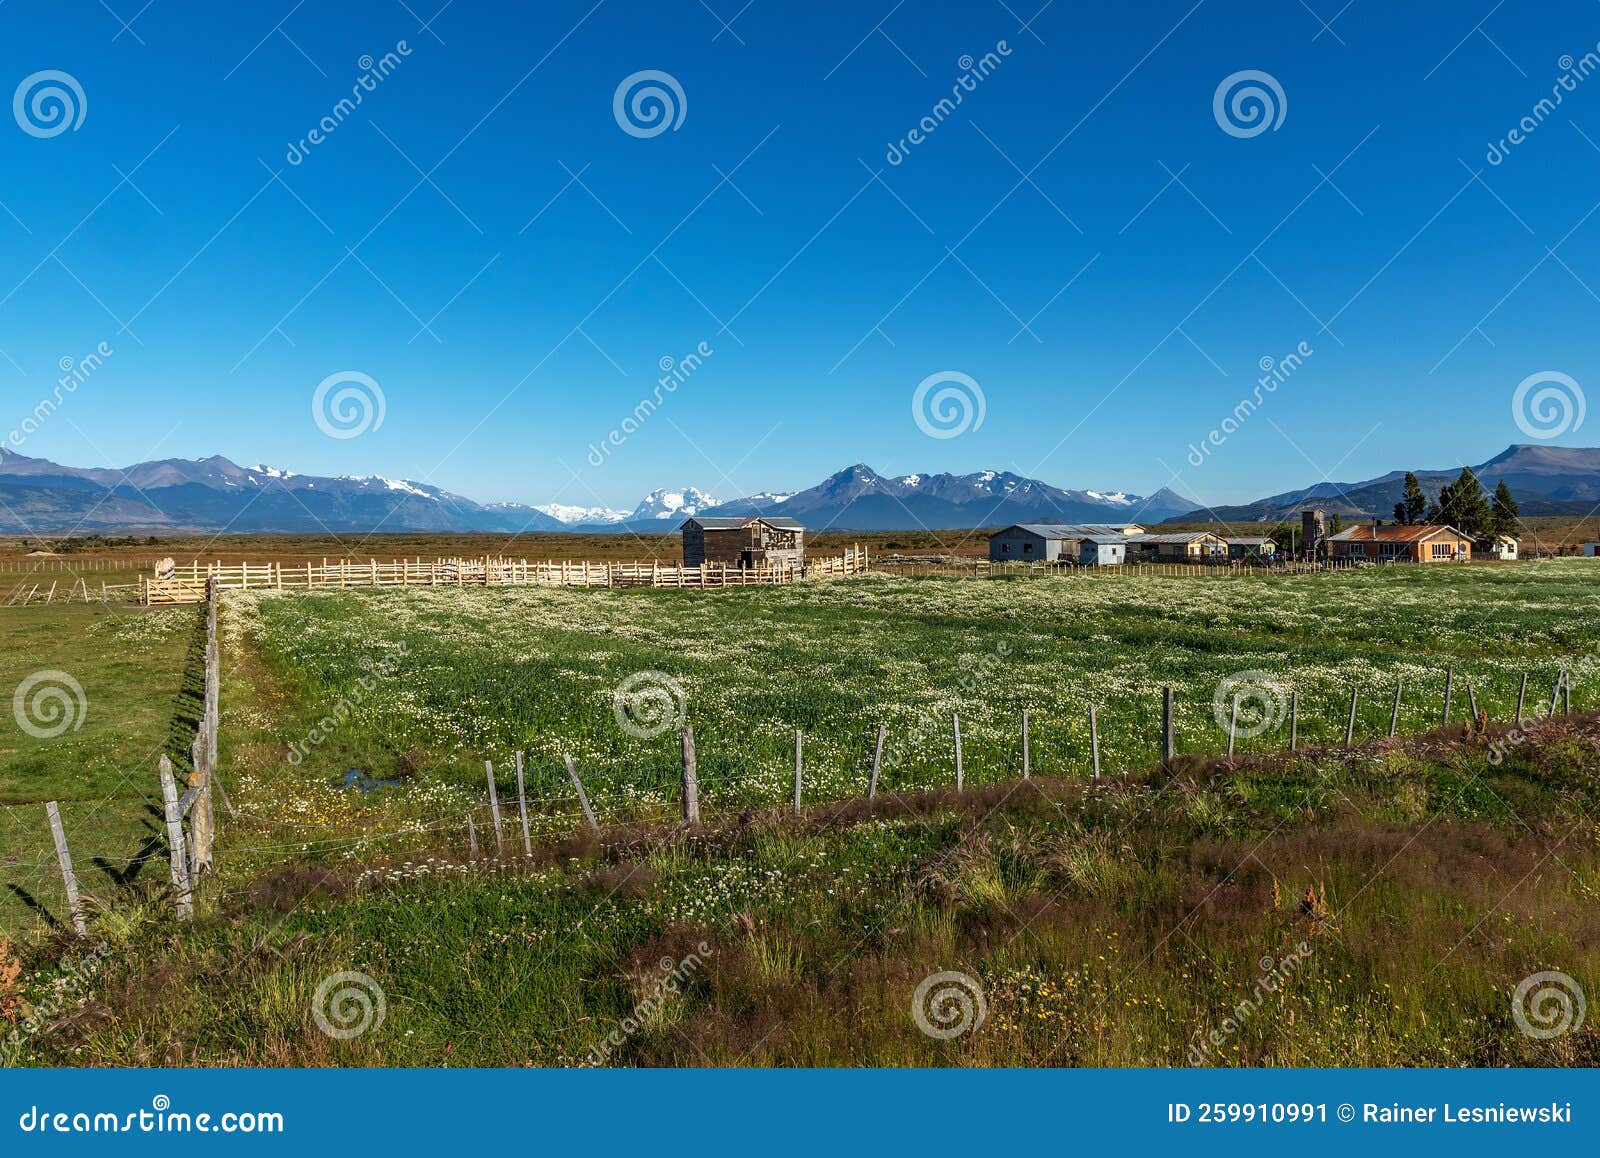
<point>1398,543</point>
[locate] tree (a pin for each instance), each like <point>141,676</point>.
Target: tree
<point>1504,514</point>
<point>1335,523</point>
<point>1462,505</point>
<point>1413,504</point>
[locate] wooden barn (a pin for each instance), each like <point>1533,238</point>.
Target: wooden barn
<point>736,542</point>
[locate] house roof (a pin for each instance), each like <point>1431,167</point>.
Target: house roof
<point>1043,530</point>
<point>1106,540</point>
<point>1173,537</point>
<point>1392,533</point>
<point>1249,540</point>
<point>717,523</point>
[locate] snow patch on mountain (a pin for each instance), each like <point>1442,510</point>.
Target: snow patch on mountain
<point>665,504</point>
<point>572,515</point>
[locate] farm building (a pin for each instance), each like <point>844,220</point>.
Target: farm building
<point>1108,528</point>
<point>1251,547</point>
<point>1591,550</point>
<point>1499,547</point>
<point>1398,543</point>
<point>1177,547</point>
<point>735,542</point>
<point>1102,550</point>
<point>1033,542</point>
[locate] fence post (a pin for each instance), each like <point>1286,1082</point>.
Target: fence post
<point>494,810</point>
<point>1394,712</point>
<point>1449,684</point>
<point>522,803</point>
<point>583,799</point>
<point>955,724</point>
<point>1350,726</point>
<point>472,837</point>
<point>1522,696</point>
<point>799,766</point>
<point>1026,762</point>
<point>1294,719</point>
<point>1472,701</point>
<point>1566,693</point>
<point>1094,739</point>
<point>1233,723</point>
<point>1166,727</point>
<point>68,877</point>
<point>877,761</point>
<point>177,855</point>
<point>691,782</point>
<point>1555,694</point>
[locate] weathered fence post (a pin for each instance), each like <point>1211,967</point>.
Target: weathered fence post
<point>583,800</point>
<point>1566,693</point>
<point>1449,683</point>
<point>494,810</point>
<point>1233,723</point>
<point>1027,768</point>
<point>1472,701</point>
<point>522,803</point>
<point>1094,739</point>
<point>955,723</point>
<point>1394,712</point>
<point>68,877</point>
<point>177,855</point>
<point>1350,725</point>
<point>1522,697</point>
<point>691,782</point>
<point>1555,693</point>
<point>877,761</point>
<point>1167,749</point>
<point>1294,719</point>
<point>799,763</point>
<point>472,837</point>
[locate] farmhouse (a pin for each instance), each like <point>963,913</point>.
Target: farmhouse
<point>1102,550</point>
<point>1400,543</point>
<point>1499,547</point>
<point>1034,542</point>
<point>1178,547</point>
<point>1251,547</point>
<point>736,542</point>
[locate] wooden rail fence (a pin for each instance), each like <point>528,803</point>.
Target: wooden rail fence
<point>188,583</point>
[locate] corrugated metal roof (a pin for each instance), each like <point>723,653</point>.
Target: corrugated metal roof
<point>1172,537</point>
<point>1249,540</point>
<point>718,523</point>
<point>1392,533</point>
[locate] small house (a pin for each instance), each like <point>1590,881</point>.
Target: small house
<point>1502,547</point>
<point>1102,550</point>
<point>1591,550</point>
<point>1178,547</point>
<point>743,542</point>
<point>1033,543</point>
<point>1251,547</point>
<point>1399,543</point>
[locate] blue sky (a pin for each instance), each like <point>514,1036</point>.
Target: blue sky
<point>1080,237</point>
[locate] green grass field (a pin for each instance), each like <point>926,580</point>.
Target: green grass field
<point>1129,922</point>
<point>101,767</point>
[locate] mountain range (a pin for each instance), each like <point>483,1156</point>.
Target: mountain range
<point>176,496</point>
<point>183,496</point>
<point>1545,480</point>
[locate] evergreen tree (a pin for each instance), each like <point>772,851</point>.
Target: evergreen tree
<point>1504,514</point>
<point>1462,505</point>
<point>1413,504</point>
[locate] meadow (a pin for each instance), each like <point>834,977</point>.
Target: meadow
<point>1366,906</point>
<point>424,686</point>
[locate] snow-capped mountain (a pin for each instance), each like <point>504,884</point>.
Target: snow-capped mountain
<point>665,504</point>
<point>573,516</point>
<point>860,499</point>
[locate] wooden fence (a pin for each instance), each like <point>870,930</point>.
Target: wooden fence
<point>187,583</point>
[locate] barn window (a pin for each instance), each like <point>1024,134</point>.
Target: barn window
<point>1027,548</point>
